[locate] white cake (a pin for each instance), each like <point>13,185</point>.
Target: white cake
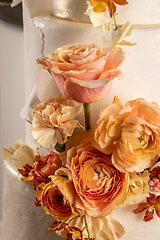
<point>43,34</point>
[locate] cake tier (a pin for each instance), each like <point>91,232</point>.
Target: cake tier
<point>48,33</point>
<point>138,12</point>
<point>21,219</point>
<point>43,34</point>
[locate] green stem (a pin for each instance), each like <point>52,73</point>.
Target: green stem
<point>86,225</point>
<point>73,218</point>
<point>115,22</point>
<point>87,113</point>
<point>5,4</point>
<point>60,147</point>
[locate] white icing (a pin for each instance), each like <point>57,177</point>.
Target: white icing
<point>21,219</point>
<point>139,12</point>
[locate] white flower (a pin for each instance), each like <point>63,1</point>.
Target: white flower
<point>97,19</point>
<point>105,228</point>
<point>19,154</point>
<point>114,38</point>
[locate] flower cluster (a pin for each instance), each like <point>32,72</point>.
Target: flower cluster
<point>107,166</point>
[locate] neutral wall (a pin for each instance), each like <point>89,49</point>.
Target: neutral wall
<point>11,88</point>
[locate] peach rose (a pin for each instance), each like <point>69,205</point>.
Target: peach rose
<point>98,183</point>
<point>84,72</point>
<point>54,202</point>
<point>131,132</point>
<point>54,121</point>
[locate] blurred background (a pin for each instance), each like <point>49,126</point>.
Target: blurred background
<point>12,97</point>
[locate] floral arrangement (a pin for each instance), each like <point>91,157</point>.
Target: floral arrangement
<point>85,175</point>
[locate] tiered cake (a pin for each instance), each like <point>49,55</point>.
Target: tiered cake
<point>48,26</point>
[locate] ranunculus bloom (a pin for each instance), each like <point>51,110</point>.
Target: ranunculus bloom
<point>84,72</point>
<point>54,121</point>
<point>98,183</point>
<point>131,132</point>
<point>45,167</point>
<point>63,181</point>
<point>55,203</point>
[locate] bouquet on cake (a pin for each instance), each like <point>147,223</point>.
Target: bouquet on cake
<point>85,175</point>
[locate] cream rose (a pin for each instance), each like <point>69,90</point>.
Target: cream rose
<point>131,132</point>
<point>84,72</point>
<point>99,185</point>
<point>138,188</point>
<point>54,121</point>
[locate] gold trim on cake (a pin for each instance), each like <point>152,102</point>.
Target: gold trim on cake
<point>70,9</point>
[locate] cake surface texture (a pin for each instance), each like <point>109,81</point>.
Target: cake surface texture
<point>48,26</point>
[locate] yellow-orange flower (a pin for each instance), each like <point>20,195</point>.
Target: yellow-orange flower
<point>54,121</point>
<point>55,203</point>
<point>84,72</point>
<point>131,132</point>
<point>100,5</point>
<point>98,183</point>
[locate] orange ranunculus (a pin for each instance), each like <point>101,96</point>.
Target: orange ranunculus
<point>55,203</point>
<point>98,183</point>
<point>84,72</point>
<point>131,132</point>
<point>45,167</point>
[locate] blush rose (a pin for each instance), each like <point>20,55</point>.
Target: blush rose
<point>84,72</point>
